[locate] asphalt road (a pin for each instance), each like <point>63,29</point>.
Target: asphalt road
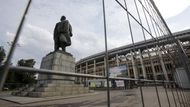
<point>119,98</point>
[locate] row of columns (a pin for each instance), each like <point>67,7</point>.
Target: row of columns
<point>134,65</point>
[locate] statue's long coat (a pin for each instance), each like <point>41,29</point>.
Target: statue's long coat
<point>62,33</point>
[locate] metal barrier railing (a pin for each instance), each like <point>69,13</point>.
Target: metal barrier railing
<point>179,97</point>
<point>61,73</point>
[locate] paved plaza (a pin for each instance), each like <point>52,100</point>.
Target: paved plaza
<point>119,98</point>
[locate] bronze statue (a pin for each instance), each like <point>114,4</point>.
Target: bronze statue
<point>62,34</point>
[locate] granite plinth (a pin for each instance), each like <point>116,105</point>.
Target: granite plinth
<point>60,62</point>
<point>53,85</point>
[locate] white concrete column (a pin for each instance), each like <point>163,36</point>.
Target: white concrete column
<point>142,65</point>
<point>163,65</point>
<point>80,68</point>
<point>105,66</point>
<point>134,66</point>
<point>86,71</point>
<point>94,67</point>
<point>128,69</point>
<point>80,79</point>
<point>117,60</point>
<point>152,66</point>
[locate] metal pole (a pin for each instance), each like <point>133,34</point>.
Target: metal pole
<point>171,72</point>
<point>185,102</point>
<point>11,51</point>
<point>106,55</point>
<point>178,98</point>
<point>167,94</point>
<point>181,90</point>
<point>185,97</point>
<point>155,84</point>
<point>160,58</point>
<point>180,48</point>
<point>157,94</point>
<point>182,100</point>
<point>131,33</point>
<point>174,96</point>
<point>148,9</point>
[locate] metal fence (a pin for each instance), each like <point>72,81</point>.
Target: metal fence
<point>155,27</point>
<point>179,98</point>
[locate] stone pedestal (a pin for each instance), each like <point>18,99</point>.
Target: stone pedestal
<point>60,62</point>
<point>53,85</point>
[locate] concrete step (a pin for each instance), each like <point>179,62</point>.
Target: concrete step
<point>67,85</point>
<point>18,92</point>
<point>44,94</point>
<point>49,85</point>
<point>55,89</point>
<point>60,85</point>
<point>24,93</point>
<point>58,88</point>
<point>84,90</point>
<point>55,82</point>
<point>30,89</point>
<point>74,85</point>
<point>15,93</point>
<point>56,85</point>
<point>45,89</point>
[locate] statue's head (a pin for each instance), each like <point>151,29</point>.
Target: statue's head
<point>63,18</point>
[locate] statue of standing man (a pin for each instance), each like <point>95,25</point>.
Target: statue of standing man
<point>62,34</point>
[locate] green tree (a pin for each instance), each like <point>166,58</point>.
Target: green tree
<point>22,77</point>
<point>26,77</point>
<point>26,62</point>
<point>2,54</point>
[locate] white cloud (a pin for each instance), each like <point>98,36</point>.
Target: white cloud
<point>40,34</point>
<point>10,36</point>
<point>170,8</point>
<point>36,43</point>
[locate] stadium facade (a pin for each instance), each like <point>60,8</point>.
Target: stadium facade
<point>140,61</point>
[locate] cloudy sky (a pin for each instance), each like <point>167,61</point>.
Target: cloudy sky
<point>85,16</point>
